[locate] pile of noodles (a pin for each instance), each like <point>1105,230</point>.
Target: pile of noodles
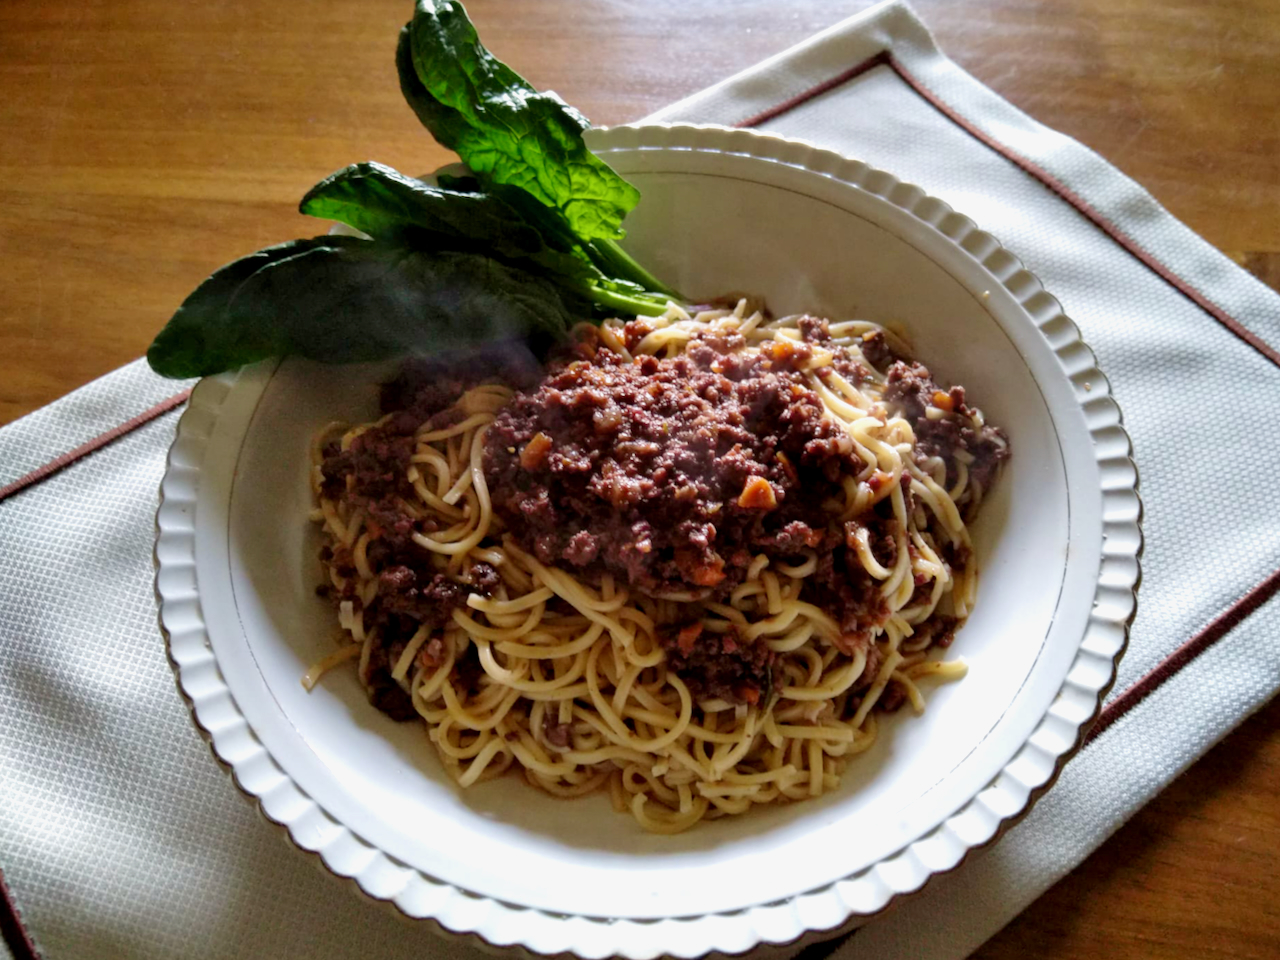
<point>634,729</point>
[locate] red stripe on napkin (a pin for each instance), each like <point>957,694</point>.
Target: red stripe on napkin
<point>880,59</point>
<point>15,935</point>
<point>1107,226</point>
<point>97,443</point>
<point>1215,630</point>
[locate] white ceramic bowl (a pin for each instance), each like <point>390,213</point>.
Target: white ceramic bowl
<point>1058,546</point>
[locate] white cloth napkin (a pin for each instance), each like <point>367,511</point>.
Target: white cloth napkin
<point>120,837</point>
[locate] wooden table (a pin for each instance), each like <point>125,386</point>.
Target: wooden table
<point>144,142</point>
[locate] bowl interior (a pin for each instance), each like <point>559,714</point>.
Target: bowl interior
<point>710,224</point>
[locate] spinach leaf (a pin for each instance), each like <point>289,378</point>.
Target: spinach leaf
<point>387,205</point>
<point>609,259</point>
<point>200,338</point>
<point>343,299</point>
<point>504,130</point>
<point>525,248</point>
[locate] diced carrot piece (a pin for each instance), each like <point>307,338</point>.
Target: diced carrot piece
<point>779,350</point>
<point>686,637</point>
<point>534,454</point>
<point>787,466</point>
<point>708,574</point>
<point>758,495</point>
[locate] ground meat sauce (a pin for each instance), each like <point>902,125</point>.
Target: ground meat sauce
<point>673,473</point>
<point>427,385</point>
<point>670,474</point>
<point>371,473</point>
<point>912,388</point>
<point>876,350</point>
<point>720,664</point>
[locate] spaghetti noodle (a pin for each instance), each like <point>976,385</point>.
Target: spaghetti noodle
<point>689,567</point>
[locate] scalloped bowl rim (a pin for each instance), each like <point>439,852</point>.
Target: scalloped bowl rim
<point>979,818</point>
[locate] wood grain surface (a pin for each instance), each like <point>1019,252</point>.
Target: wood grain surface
<point>145,142</point>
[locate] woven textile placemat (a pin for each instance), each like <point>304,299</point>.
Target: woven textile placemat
<point>119,837</point>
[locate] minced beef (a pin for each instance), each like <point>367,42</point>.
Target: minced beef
<point>841,585</point>
<point>911,388</point>
<point>720,664</point>
<point>671,473</point>
<point>556,734</point>
<point>875,349</point>
<point>384,693</point>
<point>371,474</point>
<point>817,330</point>
<point>376,461</point>
<point>424,386</point>
<point>408,598</point>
